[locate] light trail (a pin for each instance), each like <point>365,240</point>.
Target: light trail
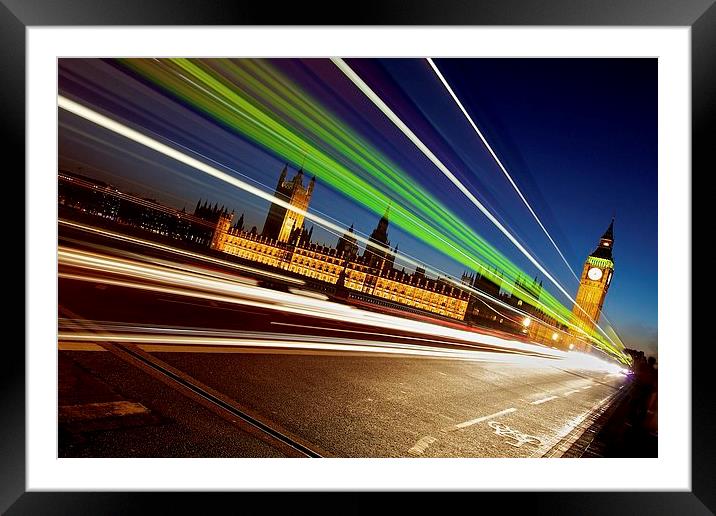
<point>134,274</point>
<point>187,254</point>
<point>305,342</point>
<point>504,171</point>
<point>373,97</point>
<point>558,311</point>
<point>499,163</point>
<point>336,345</point>
<point>162,148</point>
<point>214,337</point>
<point>130,273</point>
<point>268,108</point>
<point>340,177</point>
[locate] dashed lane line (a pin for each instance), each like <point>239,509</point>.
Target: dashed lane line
<point>544,400</point>
<point>570,392</point>
<point>465,424</point>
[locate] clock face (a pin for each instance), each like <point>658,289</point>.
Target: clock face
<point>595,273</point>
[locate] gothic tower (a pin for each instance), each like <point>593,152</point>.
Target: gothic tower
<point>223,223</point>
<point>593,285</point>
<point>280,222</point>
<point>348,245</point>
<point>377,252</point>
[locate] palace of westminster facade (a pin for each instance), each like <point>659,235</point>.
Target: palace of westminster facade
<point>284,243</point>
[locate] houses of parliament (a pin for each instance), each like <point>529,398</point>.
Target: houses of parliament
<point>286,244</point>
<point>370,276</point>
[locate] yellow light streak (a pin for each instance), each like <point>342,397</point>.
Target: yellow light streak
<point>105,269</point>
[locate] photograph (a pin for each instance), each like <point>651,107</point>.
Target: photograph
<point>358,257</point>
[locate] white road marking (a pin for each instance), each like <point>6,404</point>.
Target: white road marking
<point>587,387</point>
<point>544,400</point>
<point>444,374</point>
<point>479,420</point>
<point>421,445</point>
<point>570,392</point>
<point>518,438</point>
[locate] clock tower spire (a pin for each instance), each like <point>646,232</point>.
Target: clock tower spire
<point>593,286</point>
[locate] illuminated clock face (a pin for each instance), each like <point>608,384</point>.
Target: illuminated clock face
<point>595,273</point>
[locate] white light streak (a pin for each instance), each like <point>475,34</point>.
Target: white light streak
<point>373,97</point>
<point>162,148</point>
<point>104,269</point>
<point>499,163</point>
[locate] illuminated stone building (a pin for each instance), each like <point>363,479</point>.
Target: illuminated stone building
<point>286,244</point>
<point>358,273</point>
<point>491,309</point>
<point>593,286</point>
<point>281,222</point>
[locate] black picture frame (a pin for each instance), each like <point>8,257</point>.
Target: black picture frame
<point>700,15</point>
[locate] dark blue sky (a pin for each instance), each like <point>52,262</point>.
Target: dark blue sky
<point>578,136</point>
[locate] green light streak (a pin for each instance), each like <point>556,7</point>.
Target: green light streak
<point>255,100</point>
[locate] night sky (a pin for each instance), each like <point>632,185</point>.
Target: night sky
<point>578,136</point>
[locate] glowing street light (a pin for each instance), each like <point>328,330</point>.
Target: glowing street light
<point>526,322</point>
<point>555,336</point>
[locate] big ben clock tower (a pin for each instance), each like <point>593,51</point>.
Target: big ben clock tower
<point>593,285</point>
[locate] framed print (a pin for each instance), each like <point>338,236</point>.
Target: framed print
<point>414,249</point>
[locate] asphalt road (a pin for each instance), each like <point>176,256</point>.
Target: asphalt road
<point>349,385</point>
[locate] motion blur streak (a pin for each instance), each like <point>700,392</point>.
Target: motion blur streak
<point>329,344</point>
<point>499,163</point>
<point>160,147</point>
<point>246,94</point>
<point>185,281</point>
<point>348,71</point>
<point>296,342</point>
